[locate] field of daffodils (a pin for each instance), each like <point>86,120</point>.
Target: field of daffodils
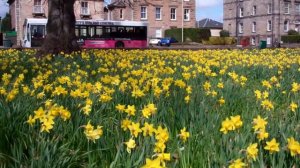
<point>150,109</point>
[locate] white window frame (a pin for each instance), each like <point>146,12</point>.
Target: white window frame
<point>269,25</point>
<point>254,10</point>
<point>158,14</point>
<point>38,7</point>
<point>253,41</point>
<point>297,10</point>
<point>286,26</point>
<point>173,14</point>
<point>143,13</point>
<point>85,9</point>
<point>158,33</point>
<point>287,7</point>
<point>241,13</point>
<point>186,14</point>
<point>270,8</point>
<point>269,40</point>
<point>253,27</point>
<point>37,2</point>
<point>241,28</point>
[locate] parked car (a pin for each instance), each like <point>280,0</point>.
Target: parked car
<point>154,41</point>
<point>167,41</point>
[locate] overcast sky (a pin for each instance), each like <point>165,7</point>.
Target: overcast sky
<point>3,8</point>
<point>212,9</point>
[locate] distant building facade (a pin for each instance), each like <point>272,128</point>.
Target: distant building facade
<point>160,14</point>
<point>261,20</point>
<point>21,9</point>
<point>214,26</point>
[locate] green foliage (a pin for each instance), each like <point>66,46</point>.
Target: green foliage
<point>220,41</point>
<point>189,34</point>
<point>291,39</point>
<point>224,33</point>
<point>292,32</point>
<point>6,23</point>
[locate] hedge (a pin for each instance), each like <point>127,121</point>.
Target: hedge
<point>291,39</point>
<point>189,34</point>
<point>220,41</point>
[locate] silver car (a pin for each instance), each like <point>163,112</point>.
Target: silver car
<point>154,41</point>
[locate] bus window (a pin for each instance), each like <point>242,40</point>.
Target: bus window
<point>113,29</point>
<point>83,31</point>
<point>91,31</point>
<point>99,31</point>
<point>38,31</point>
<point>140,33</point>
<point>129,29</point>
<point>121,29</point>
<point>28,32</point>
<point>77,31</point>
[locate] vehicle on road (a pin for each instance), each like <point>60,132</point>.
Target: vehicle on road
<point>92,33</point>
<point>154,41</point>
<point>167,41</point>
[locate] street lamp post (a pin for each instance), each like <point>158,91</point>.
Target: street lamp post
<point>182,22</point>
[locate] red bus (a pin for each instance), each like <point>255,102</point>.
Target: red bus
<point>111,34</point>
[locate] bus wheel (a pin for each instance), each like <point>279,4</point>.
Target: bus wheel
<point>119,44</point>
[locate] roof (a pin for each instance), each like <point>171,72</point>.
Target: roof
<point>209,23</point>
<point>36,21</point>
<point>119,4</point>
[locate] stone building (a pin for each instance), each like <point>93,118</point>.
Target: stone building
<point>256,20</point>
<point>160,14</point>
<point>21,9</point>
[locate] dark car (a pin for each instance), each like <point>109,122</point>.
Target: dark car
<point>167,41</point>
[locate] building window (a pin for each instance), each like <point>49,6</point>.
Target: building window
<point>37,7</point>
<point>269,40</point>
<point>173,13</point>
<point>269,8</point>
<point>85,8</point>
<point>286,26</point>
<point>121,14</point>
<point>37,2</point>
<point>286,8</point>
<point>241,28</point>
<point>158,33</point>
<point>253,27</point>
<point>158,13</point>
<point>269,25</point>
<point>186,15</point>
<point>254,10</point>
<point>253,41</point>
<point>241,12</point>
<point>297,8</point>
<point>143,12</point>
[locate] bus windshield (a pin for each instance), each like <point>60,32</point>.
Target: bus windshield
<point>38,31</point>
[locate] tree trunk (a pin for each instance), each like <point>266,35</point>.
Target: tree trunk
<point>60,28</point>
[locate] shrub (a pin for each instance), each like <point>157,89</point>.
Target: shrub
<point>291,39</point>
<point>189,34</point>
<point>220,41</point>
<point>230,40</point>
<point>292,32</point>
<point>204,34</point>
<point>224,33</point>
